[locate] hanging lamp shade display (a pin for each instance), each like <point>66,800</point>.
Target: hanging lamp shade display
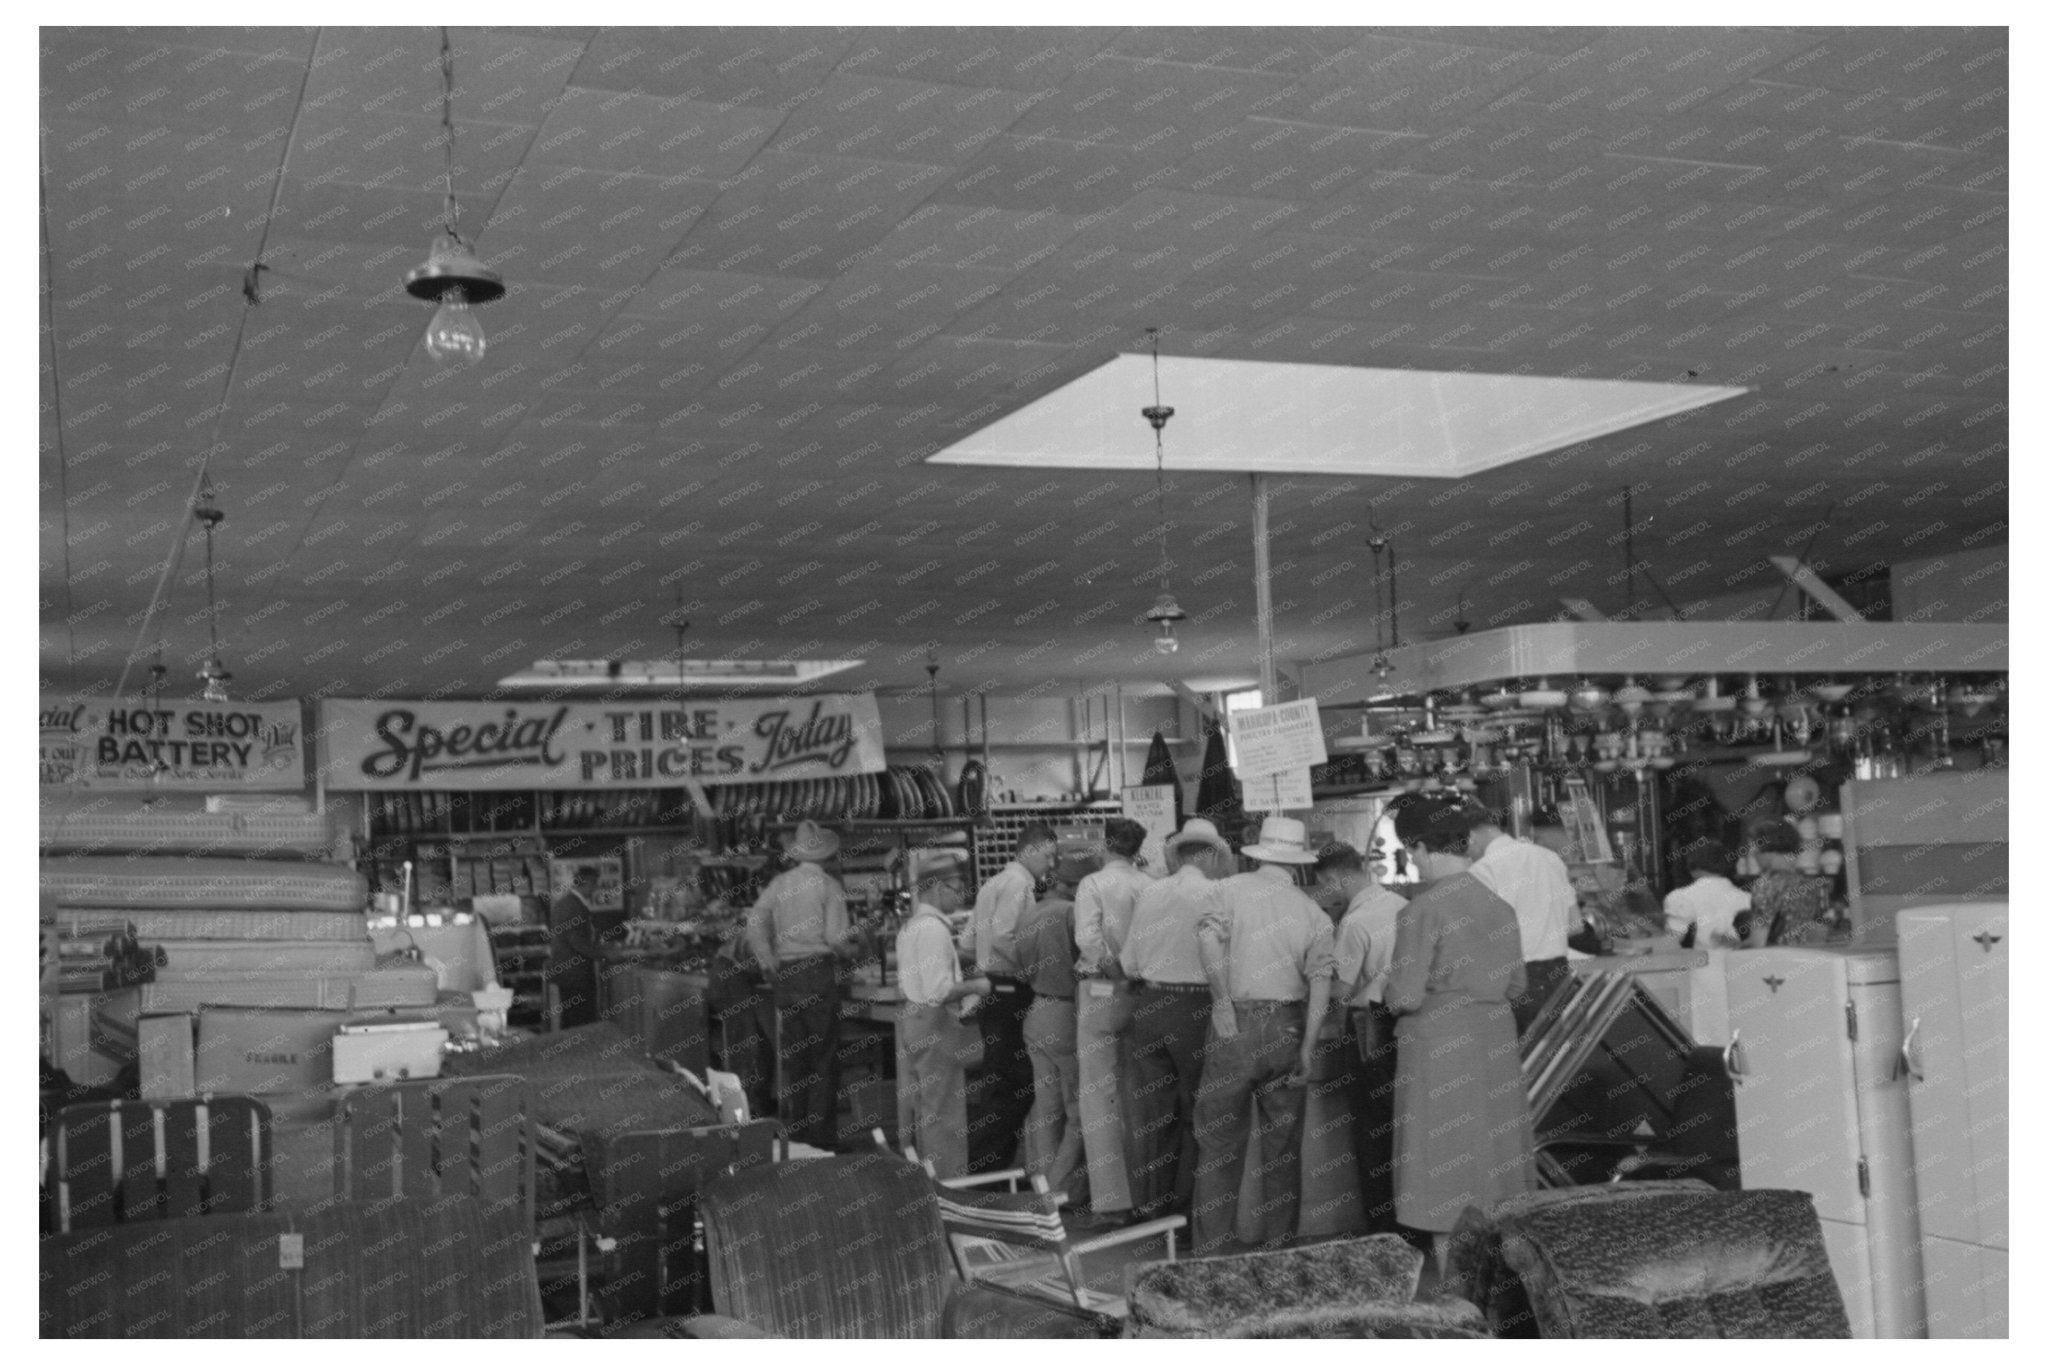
<point>1217,798</point>
<point>1165,613</point>
<point>1160,772</point>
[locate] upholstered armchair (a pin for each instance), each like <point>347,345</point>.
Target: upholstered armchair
<point>1652,1259</point>
<point>1360,1288</point>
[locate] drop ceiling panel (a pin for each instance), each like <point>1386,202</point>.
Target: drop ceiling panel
<point>1042,174</point>
<point>760,67</point>
<point>650,135</point>
<point>805,216</point>
<point>870,115</point>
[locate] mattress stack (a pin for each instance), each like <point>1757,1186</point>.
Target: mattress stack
<point>238,931</point>
<point>246,914</point>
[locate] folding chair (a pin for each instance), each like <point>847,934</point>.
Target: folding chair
<point>120,1161</point>
<point>1024,1241</point>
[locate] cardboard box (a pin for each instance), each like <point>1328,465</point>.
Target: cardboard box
<point>397,1055</point>
<point>165,1045</point>
<point>253,1052</point>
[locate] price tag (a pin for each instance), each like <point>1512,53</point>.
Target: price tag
<point>1101,990</point>
<point>291,1251</point>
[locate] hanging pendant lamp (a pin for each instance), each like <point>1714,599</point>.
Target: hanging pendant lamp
<point>453,277</point>
<point>1165,613</point>
<point>214,677</point>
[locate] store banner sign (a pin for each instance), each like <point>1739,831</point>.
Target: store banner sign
<point>479,745</point>
<point>1277,739</point>
<point>1279,791</point>
<point>172,746</point>
<point>1152,807</point>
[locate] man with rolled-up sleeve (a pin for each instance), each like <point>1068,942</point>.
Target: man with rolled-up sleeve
<point>1103,905</point>
<point>1269,955</point>
<point>1004,1089</point>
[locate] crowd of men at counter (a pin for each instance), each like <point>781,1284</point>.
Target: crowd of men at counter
<point>1122,1027</point>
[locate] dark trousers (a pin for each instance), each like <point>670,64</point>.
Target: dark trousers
<point>807,1014</point>
<point>1162,1075</point>
<point>999,1098</point>
<point>743,1029</point>
<point>1369,1068</point>
<point>1244,1074</point>
<point>575,983</point>
<point>1545,976</point>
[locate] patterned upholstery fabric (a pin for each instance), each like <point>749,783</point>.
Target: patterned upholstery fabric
<point>390,1269</point>
<point>1747,1263</point>
<point>1477,1271</point>
<point>833,1247</point>
<point>1359,1288</point>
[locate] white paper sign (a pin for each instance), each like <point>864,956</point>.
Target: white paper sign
<point>1275,739</point>
<point>1151,807</point>
<point>1279,791</point>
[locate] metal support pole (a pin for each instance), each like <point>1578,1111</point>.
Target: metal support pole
<point>1262,583</point>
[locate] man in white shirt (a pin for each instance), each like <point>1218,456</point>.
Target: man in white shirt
<point>1536,883</point>
<point>928,971</point>
<point>1365,948</point>
<point>798,930</point>
<point>1170,1011</point>
<point>1103,905</point>
<point>1004,1090</point>
<point>1709,905</point>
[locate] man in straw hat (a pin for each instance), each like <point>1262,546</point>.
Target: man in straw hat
<point>1169,1020</point>
<point>1268,954</point>
<point>798,930</point>
<point>935,1038</point>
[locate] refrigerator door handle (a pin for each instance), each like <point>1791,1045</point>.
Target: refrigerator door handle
<point>1731,1056</point>
<point>1906,1066</point>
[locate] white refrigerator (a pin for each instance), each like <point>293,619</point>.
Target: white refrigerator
<point>1820,1105</point>
<point>1953,968</point>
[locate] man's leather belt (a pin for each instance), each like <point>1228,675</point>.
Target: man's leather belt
<point>1176,987</point>
<point>1266,1006</point>
<point>1042,995</point>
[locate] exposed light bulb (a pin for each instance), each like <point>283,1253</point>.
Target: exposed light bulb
<point>455,336</point>
<point>1165,643</point>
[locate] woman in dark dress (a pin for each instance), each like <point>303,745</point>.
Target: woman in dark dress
<point>1462,1131</point>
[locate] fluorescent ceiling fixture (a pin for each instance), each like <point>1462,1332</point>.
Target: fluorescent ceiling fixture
<point>596,674</point>
<point>1237,416</point>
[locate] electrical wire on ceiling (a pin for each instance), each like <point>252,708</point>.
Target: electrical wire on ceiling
<point>56,399</point>
<point>159,601</point>
<point>348,461</point>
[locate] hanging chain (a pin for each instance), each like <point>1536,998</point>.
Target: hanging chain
<point>448,123</point>
<point>210,517</point>
<point>1157,415</point>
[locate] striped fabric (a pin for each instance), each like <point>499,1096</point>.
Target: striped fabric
<point>241,834</point>
<point>396,1269</point>
<point>124,882</point>
<point>270,956</point>
<point>1025,1217</point>
<point>153,925</point>
<point>846,1246</point>
<point>402,986</point>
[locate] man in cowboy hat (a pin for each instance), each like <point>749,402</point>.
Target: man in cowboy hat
<point>798,930</point>
<point>1268,954</point>
<point>1045,942</point>
<point>935,1039</point>
<point>1169,1019</point>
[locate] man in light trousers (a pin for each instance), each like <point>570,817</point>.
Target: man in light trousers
<point>1102,919</point>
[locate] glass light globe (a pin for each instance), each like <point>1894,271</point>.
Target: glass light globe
<point>455,336</point>
<point>1165,643</point>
